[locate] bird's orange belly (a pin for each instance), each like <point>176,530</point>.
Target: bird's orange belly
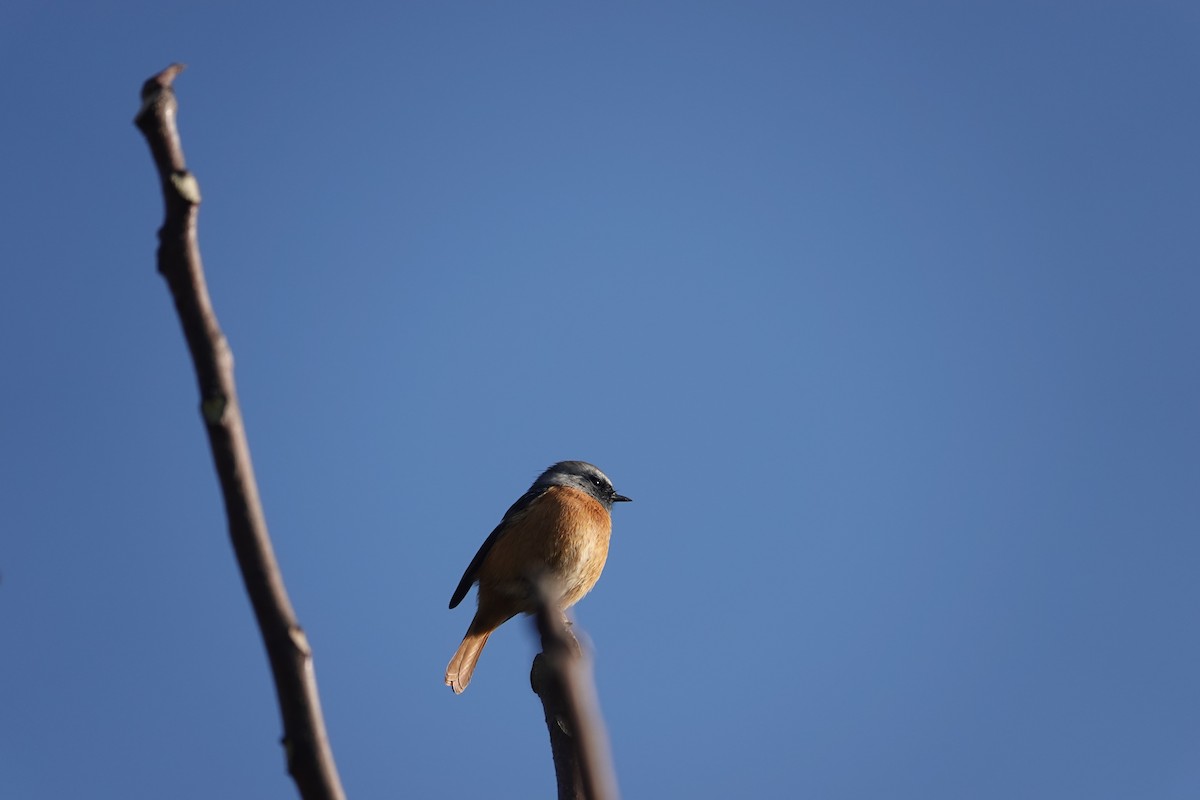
<point>565,533</point>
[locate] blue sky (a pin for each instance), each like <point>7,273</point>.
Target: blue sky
<point>884,314</point>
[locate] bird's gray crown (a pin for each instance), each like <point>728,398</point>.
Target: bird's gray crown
<point>583,476</point>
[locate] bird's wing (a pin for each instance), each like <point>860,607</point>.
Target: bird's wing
<point>516,510</point>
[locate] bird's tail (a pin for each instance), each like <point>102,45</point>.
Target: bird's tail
<point>461,667</point>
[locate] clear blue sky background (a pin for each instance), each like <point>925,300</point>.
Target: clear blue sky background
<point>885,314</point>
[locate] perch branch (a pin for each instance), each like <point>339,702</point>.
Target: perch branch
<point>562,677</point>
<point>309,758</point>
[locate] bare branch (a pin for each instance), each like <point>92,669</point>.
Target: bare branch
<point>309,758</point>
<point>562,677</point>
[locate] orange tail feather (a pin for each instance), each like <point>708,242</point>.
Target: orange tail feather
<point>462,666</point>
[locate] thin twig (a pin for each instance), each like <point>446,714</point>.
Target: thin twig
<point>562,678</point>
<point>310,760</point>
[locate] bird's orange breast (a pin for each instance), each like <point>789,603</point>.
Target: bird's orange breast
<point>565,531</point>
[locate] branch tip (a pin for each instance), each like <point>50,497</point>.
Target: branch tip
<point>153,90</point>
<point>561,677</point>
<point>168,75</point>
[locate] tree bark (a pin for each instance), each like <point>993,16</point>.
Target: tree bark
<point>306,744</point>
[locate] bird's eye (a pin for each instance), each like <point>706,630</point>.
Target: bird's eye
<point>597,481</point>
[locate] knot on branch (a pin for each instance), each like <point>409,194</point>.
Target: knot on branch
<point>186,186</point>
<point>213,408</point>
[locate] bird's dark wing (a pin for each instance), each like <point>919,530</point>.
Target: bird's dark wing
<point>514,511</point>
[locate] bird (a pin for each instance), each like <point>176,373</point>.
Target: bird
<point>559,528</point>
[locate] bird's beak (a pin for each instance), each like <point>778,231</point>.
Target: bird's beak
<point>620,498</point>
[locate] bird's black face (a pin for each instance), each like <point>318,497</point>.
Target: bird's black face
<point>604,490</point>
